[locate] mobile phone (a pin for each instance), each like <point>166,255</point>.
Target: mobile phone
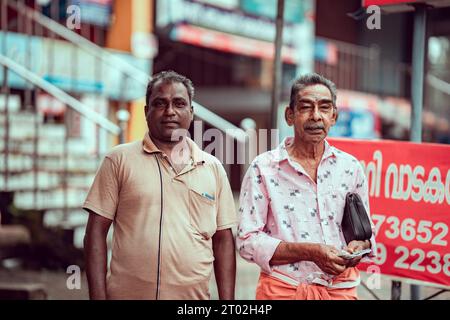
<point>347,255</point>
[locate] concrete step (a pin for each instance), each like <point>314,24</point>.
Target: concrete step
<point>53,199</point>
<point>13,235</point>
<point>75,220</point>
<point>71,220</point>
<point>14,103</point>
<point>28,181</point>
<point>22,291</point>
<point>16,162</point>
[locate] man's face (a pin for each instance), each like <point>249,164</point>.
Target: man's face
<point>169,109</point>
<point>313,113</point>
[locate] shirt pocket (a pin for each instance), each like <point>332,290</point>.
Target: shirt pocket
<point>202,212</point>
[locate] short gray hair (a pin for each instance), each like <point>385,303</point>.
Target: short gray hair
<point>311,79</point>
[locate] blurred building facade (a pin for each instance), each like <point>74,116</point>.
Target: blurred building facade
<point>377,63</point>
<point>70,72</point>
<point>226,48</point>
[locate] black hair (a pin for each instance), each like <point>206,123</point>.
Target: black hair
<point>169,77</point>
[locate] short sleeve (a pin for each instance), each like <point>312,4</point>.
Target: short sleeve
<point>104,193</point>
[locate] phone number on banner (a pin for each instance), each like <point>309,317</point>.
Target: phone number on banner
<point>426,234</point>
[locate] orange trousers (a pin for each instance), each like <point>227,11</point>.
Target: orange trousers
<point>272,288</point>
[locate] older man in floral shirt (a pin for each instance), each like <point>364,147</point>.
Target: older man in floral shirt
<point>292,202</point>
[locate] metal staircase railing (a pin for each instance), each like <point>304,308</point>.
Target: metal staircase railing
<point>60,95</point>
<point>40,161</point>
<point>128,71</point>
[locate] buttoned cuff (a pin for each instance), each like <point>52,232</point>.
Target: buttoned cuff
<point>265,251</point>
<point>373,254</point>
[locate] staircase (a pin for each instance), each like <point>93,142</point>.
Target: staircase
<point>45,168</point>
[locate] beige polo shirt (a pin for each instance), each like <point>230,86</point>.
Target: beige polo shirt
<point>166,245</point>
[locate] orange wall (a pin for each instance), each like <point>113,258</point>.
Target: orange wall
<point>129,16</point>
<point>119,33</point>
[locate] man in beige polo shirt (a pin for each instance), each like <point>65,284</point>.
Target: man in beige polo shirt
<point>171,206</point>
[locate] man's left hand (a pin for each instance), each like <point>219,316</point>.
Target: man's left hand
<point>355,246</point>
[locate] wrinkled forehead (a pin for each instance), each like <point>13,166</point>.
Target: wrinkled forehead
<point>316,92</point>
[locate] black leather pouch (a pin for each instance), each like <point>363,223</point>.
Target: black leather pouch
<point>355,221</point>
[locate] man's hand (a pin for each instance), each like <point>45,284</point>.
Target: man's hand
<point>327,259</point>
<point>356,246</point>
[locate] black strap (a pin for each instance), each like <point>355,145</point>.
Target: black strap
<point>158,275</point>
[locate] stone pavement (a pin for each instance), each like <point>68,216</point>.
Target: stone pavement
<point>247,277</point>
<point>248,273</point>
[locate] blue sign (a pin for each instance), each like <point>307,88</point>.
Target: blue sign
<point>354,124</point>
<point>95,12</point>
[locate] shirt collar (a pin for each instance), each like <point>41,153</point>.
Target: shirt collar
<point>281,153</point>
<point>149,146</point>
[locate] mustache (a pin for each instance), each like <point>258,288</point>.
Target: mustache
<point>314,126</point>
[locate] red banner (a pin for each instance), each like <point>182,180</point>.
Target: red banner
<point>409,187</point>
<point>403,5</point>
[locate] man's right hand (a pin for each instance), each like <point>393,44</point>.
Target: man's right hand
<point>327,259</point>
